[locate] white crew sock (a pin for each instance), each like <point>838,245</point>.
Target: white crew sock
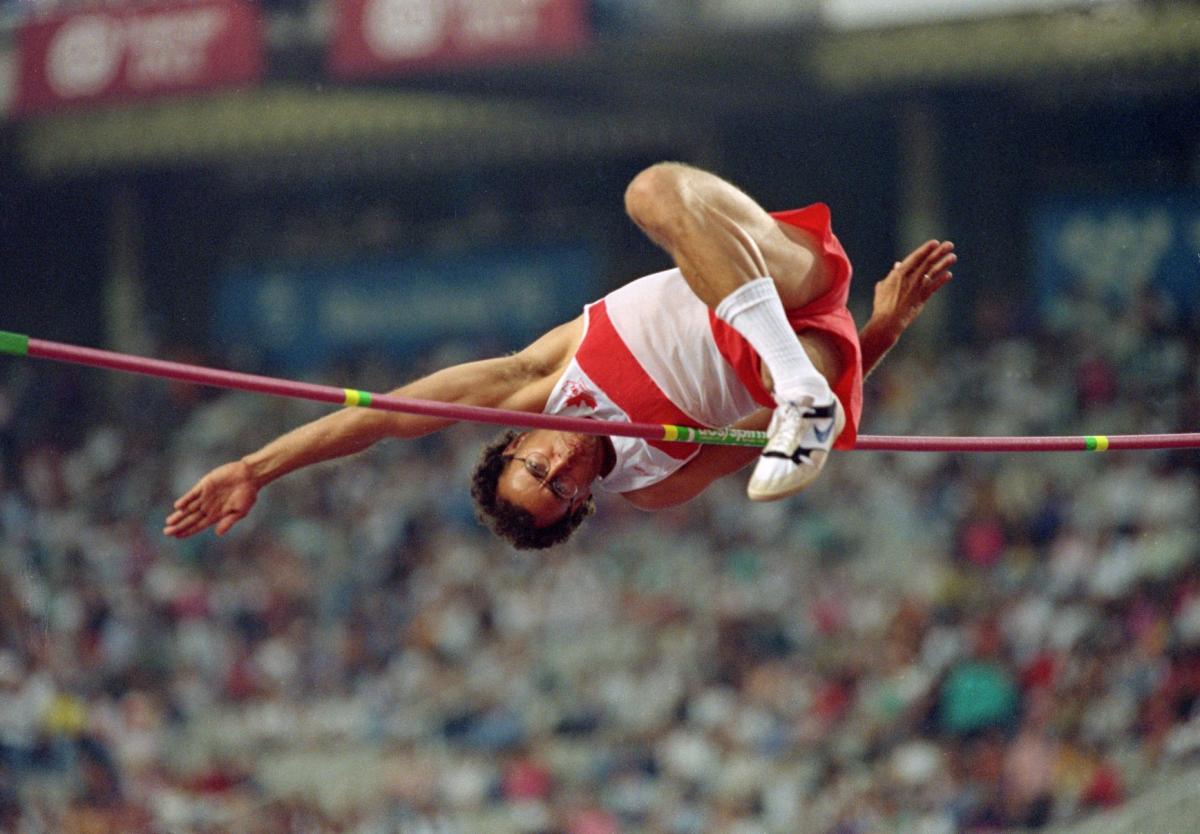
<point>755,310</point>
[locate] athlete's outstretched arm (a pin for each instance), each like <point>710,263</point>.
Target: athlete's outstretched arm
<point>520,382</point>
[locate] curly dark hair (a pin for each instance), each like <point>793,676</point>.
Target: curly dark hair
<point>507,520</point>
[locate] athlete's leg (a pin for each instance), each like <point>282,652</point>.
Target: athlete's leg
<point>719,237</point>
<point>739,261</point>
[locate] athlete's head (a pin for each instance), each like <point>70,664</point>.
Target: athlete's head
<point>533,489</point>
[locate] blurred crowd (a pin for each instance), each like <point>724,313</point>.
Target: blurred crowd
<point>922,642</point>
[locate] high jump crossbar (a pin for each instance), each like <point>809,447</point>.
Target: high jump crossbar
<point>16,344</point>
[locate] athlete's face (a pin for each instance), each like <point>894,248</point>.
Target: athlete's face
<point>549,473</point>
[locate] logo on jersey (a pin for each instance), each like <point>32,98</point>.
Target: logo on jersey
<point>578,396</point>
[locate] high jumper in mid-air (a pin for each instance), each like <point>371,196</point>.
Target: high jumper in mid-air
<point>749,329</point>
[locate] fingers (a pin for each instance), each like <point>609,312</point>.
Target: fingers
<point>934,266</point>
<point>934,253</point>
<point>945,261</point>
<point>189,498</point>
<point>937,281</point>
<point>940,268</point>
<point>190,516</point>
<point>219,498</point>
<point>194,517</point>
<point>181,524</point>
<point>930,258</point>
<point>919,254</point>
<point>941,254</point>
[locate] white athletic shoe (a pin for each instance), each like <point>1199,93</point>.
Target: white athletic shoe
<point>798,442</point>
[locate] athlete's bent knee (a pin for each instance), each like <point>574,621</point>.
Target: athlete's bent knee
<point>653,198</point>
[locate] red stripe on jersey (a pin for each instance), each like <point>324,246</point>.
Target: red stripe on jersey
<point>608,362</point>
<point>742,358</point>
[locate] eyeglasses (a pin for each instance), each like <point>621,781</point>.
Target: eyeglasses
<point>538,466</point>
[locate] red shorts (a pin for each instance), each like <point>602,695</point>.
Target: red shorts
<point>827,314</point>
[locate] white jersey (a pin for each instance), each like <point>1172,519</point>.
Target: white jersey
<point>650,353</point>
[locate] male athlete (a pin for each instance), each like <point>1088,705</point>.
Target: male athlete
<point>750,329</point>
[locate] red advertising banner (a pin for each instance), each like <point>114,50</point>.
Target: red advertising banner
<point>381,37</point>
<point>107,54</point>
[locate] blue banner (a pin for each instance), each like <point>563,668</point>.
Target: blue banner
<point>300,316</point>
<point>1111,249</point>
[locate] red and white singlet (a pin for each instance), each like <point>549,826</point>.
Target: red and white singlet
<point>652,352</point>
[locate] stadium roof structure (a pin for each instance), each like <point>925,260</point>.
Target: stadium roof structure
<point>279,131</point>
<point>1150,41</point>
<point>634,93</point>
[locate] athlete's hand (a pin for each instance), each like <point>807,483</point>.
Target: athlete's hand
<point>901,295</point>
<point>222,497</point>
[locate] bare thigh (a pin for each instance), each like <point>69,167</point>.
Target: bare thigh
<point>802,276</point>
